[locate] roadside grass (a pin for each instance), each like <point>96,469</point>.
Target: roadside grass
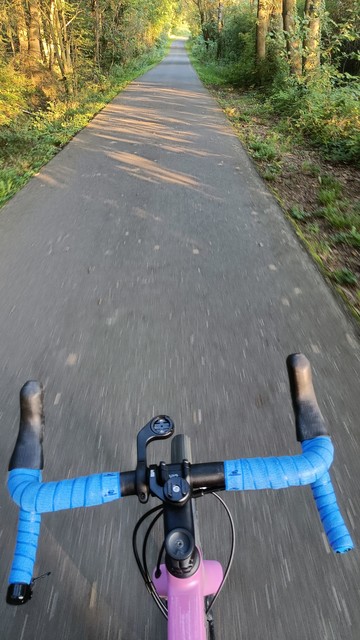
<point>33,138</point>
<point>320,198</point>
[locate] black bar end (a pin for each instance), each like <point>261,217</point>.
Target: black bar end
<point>18,593</point>
<point>28,451</point>
<point>309,421</point>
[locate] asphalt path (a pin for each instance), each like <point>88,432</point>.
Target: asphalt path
<point>147,269</point>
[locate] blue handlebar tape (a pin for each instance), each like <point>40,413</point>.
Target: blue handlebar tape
<point>35,497</point>
<point>281,472</point>
<point>26,546</point>
<point>311,467</point>
<point>27,490</point>
<point>330,516</point>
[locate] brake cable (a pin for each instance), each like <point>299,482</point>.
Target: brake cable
<point>232,551</point>
<point>159,601</point>
<point>143,569</point>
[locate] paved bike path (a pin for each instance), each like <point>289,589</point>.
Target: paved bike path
<point>148,269</point>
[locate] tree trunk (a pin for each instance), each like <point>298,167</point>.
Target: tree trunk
<point>202,22</point>
<point>47,34</point>
<point>97,30</point>
<point>21,28</point>
<point>293,43</point>
<point>51,35</point>
<point>313,9</point>
<point>60,45</point>
<point>55,36</point>
<point>65,48</point>
<point>34,35</point>
<point>263,21</point>
<point>9,35</point>
<point>277,16</point>
<point>277,24</point>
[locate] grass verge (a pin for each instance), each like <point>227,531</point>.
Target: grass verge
<point>320,198</point>
<point>30,141</point>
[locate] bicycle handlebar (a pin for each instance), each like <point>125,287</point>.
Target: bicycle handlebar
<point>35,497</point>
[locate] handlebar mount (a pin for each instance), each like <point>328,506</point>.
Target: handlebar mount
<point>159,428</point>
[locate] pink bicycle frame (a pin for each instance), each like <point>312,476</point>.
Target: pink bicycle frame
<point>185,598</point>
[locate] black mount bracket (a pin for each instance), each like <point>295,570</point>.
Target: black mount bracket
<point>172,488</point>
<point>159,428</point>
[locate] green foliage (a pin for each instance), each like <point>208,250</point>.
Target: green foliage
<point>264,150</point>
<point>14,93</point>
<point>329,182</point>
<point>93,37</point>
<point>324,107</point>
<point>210,71</point>
<point>338,212</point>
<point>336,217</point>
<point>201,50</point>
<point>351,238</point>
<point>298,213</point>
<point>327,196</point>
<point>310,168</point>
<point>232,52</point>
<point>30,140</point>
<point>271,172</point>
<point>273,72</point>
<point>238,32</point>
<point>313,228</point>
<point>181,30</point>
<point>327,113</point>
<point>341,29</point>
<point>344,276</point>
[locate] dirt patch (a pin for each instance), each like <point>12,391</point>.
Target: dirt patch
<point>299,185</point>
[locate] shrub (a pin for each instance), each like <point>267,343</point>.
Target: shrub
<point>239,29</point>
<point>264,150</point>
<point>325,111</point>
<point>14,93</point>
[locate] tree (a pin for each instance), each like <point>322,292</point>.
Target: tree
<point>21,29</point>
<point>292,36</point>
<point>312,35</point>
<point>276,20</point>
<point>263,20</point>
<point>34,35</point>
